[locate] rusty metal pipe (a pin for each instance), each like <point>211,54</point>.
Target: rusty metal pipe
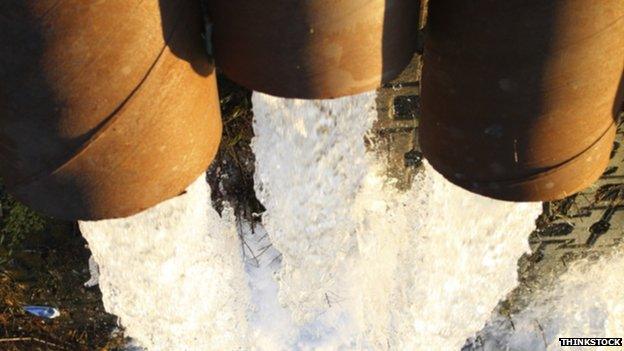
<point>313,49</point>
<point>106,108</point>
<point>519,97</point>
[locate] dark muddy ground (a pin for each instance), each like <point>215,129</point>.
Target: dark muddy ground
<point>44,262</point>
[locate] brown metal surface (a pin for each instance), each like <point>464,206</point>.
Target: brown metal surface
<point>106,108</point>
<point>313,49</point>
<point>519,97</point>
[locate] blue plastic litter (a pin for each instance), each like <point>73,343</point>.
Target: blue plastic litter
<point>42,311</point>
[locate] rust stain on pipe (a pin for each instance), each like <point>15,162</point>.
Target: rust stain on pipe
<point>519,97</point>
<point>106,108</point>
<point>313,49</point>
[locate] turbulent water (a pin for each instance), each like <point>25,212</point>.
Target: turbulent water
<point>365,266</point>
<point>586,301</point>
<point>173,274</point>
<point>342,259</point>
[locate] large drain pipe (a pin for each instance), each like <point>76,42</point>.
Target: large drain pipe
<point>106,108</point>
<point>313,49</point>
<point>519,98</point>
<point>103,116</point>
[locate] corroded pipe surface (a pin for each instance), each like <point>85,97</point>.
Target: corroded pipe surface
<point>106,108</point>
<point>519,97</point>
<point>313,49</point>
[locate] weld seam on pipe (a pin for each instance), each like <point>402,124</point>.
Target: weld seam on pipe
<point>107,122</point>
<point>553,169</point>
<point>495,185</point>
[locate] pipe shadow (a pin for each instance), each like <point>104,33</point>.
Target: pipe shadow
<point>184,33</point>
<point>399,37</point>
<point>25,140</point>
<point>29,142</point>
<point>618,106</point>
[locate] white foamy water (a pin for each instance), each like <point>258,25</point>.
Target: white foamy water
<point>174,274</point>
<point>364,266</point>
<point>586,301</point>
<point>342,261</point>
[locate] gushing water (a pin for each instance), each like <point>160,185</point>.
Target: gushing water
<point>343,260</point>
<point>586,301</point>
<point>174,274</point>
<point>365,266</point>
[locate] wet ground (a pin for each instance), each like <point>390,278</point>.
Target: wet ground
<point>44,261</point>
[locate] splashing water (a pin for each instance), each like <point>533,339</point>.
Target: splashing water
<point>365,266</point>
<point>586,301</point>
<point>174,274</point>
<point>343,259</point>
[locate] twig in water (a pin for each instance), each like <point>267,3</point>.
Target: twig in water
<point>264,249</point>
<point>266,235</point>
<point>513,326</point>
<point>244,244</point>
<point>542,332</point>
<point>277,258</point>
